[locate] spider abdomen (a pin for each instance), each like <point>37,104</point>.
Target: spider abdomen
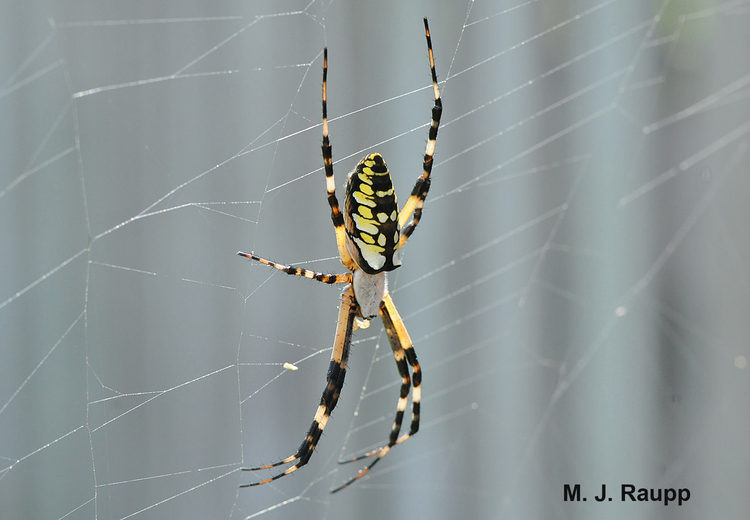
<point>371,216</point>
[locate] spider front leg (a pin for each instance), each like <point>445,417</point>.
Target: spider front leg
<point>403,352</point>
<point>335,381</point>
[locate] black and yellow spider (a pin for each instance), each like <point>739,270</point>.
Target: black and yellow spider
<point>369,235</point>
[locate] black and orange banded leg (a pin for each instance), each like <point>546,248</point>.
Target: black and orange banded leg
<point>415,202</point>
<point>335,381</point>
<point>299,271</point>
<point>336,216</point>
<point>401,342</point>
<point>403,352</point>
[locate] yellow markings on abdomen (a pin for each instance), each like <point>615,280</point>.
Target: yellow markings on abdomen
<point>371,216</point>
<point>364,200</point>
<point>365,225</point>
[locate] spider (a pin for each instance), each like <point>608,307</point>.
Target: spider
<point>369,235</point>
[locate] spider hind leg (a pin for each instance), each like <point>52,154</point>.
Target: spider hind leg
<point>414,204</point>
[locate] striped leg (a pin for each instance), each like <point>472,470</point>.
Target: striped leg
<point>402,345</point>
<point>336,216</point>
<point>335,377</point>
<point>403,352</point>
<point>415,202</point>
<point>298,271</point>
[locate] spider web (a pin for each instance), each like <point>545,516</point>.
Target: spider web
<point>576,291</point>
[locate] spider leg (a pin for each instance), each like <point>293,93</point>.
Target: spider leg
<point>403,352</point>
<point>298,271</point>
<point>415,202</point>
<point>335,377</point>
<point>336,216</point>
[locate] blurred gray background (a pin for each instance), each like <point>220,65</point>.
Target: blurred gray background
<point>577,291</point>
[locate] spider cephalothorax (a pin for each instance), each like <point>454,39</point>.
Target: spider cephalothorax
<point>369,235</point>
